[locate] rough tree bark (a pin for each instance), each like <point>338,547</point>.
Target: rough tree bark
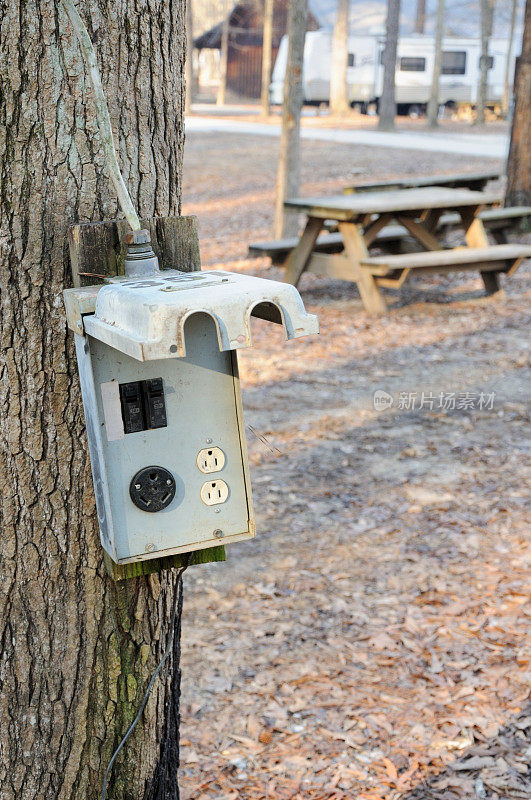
<point>387,101</point>
<point>433,103</point>
<point>509,61</point>
<point>289,162</point>
<point>267,44</point>
<point>486,16</point>
<point>77,649</point>
<point>420,16</point>
<point>519,162</point>
<point>189,57</point>
<point>338,73</point>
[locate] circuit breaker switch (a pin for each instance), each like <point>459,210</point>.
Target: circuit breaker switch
<point>132,411</point>
<point>155,405</point>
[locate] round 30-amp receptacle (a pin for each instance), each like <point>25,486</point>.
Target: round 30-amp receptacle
<point>152,488</point>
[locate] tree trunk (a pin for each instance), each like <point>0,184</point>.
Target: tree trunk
<point>519,163</point>
<point>420,17</point>
<point>224,58</point>
<point>77,649</point>
<point>387,100</point>
<point>289,162</point>
<point>486,15</point>
<point>508,61</point>
<point>267,44</point>
<point>433,104</point>
<point>338,75</point>
<point>189,57</point>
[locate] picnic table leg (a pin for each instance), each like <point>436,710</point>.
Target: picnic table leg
<point>431,219</point>
<point>299,257</point>
<point>491,282</point>
<point>356,249</point>
<point>419,232</point>
<point>476,236</point>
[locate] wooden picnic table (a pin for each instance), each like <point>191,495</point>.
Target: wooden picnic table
<point>362,216</point>
<point>462,180</point>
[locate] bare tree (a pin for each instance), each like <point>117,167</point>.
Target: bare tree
<point>338,75</point>
<point>224,57</point>
<point>387,100</point>
<point>289,162</point>
<point>509,59</point>
<point>267,44</point>
<point>420,16</point>
<point>486,17</point>
<point>78,649</point>
<point>189,96</point>
<point>519,162</point>
<point>433,103</point>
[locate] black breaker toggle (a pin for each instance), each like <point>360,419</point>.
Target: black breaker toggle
<point>143,405</point>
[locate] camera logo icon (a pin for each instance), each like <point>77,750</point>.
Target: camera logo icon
<point>382,400</point>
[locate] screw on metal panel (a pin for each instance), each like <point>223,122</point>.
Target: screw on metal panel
<point>169,482</point>
<point>217,510</point>
<point>150,548</point>
<point>218,533</point>
<point>209,441</point>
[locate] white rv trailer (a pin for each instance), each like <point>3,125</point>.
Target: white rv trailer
<point>414,68</point>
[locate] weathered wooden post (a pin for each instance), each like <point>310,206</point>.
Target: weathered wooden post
<point>387,109</point>
<point>519,161</point>
<point>339,100</point>
<point>289,161</point>
<point>267,44</point>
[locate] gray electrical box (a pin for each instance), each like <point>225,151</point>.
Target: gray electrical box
<point>159,379</point>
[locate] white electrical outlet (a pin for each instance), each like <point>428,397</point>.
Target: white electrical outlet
<point>214,492</point>
<point>211,459</point>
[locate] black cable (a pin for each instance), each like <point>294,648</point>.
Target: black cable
<point>176,607</point>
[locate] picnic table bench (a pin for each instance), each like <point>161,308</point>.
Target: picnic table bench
<point>475,181</point>
<point>391,271</point>
<point>362,217</point>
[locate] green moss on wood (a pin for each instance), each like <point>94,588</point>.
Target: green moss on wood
<point>121,572</point>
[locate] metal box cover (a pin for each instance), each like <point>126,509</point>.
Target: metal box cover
<point>145,318</point>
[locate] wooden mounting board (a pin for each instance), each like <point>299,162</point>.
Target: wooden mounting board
<point>97,249</point>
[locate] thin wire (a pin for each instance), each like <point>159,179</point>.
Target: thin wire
<point>102,114</point>
<point>177,605</point>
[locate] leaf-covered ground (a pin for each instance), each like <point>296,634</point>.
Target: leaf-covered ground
<point>373,641</point>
